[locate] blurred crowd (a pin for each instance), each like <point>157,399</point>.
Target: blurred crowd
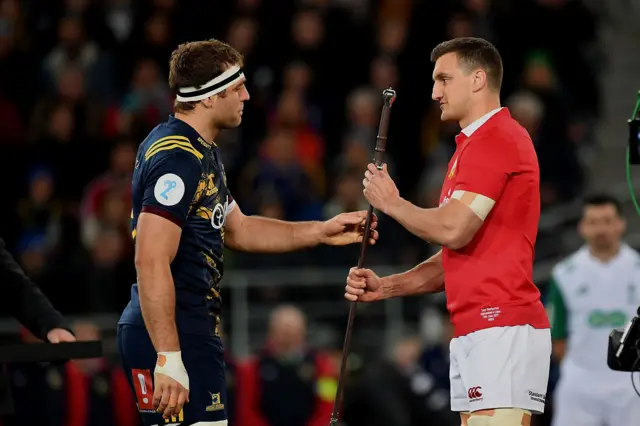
<point>286,383</point>
<point>83,81</point>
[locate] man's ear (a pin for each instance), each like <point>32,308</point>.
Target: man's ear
<point>209,102</point>
<point>479,80</point>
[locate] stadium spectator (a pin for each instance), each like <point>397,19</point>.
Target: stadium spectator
<point>287,384</point>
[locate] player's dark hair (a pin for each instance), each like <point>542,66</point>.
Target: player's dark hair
<point>474,53</point>
<point>602,199</point>
<point>195,63</point>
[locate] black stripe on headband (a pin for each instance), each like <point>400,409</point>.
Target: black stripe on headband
<point>212,88</point>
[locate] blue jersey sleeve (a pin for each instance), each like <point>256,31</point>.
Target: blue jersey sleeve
<point>170,184</point>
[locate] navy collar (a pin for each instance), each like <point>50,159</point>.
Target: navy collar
<point>197,141</point>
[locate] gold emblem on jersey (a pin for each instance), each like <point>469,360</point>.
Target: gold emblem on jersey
<point>452,172</point>
<point>216,405</point>
<point>213,294</point>
<point>204,212</point>
<point>210,260</point>
<point>206,188</point>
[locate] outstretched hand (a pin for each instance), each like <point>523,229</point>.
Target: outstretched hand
<point>348,228</point>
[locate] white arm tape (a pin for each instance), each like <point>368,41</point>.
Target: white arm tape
<point>478,203</point>
<point>174,368</point>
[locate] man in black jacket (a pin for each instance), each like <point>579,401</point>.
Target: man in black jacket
<point>27,304</point>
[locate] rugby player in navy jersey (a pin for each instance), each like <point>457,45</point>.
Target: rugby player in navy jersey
<point>183,215</point>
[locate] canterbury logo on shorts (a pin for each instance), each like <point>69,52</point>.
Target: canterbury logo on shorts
<point>475,393</point>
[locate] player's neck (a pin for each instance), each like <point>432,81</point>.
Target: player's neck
<point>201,125</point>
<point>605,254</point>
<point>480,109</point>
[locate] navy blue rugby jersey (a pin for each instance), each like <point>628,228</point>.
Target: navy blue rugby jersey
<point>180,177</point>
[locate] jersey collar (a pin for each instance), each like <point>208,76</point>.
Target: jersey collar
<point>624,252</point>
<point>196,140</point>
<point>468,131</point>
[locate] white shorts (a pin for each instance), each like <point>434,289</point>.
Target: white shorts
<point>501,367</point>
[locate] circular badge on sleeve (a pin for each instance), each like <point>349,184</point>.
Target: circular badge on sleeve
<point>169,189</point>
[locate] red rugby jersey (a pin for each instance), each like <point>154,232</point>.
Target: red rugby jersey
<point>489,282</point>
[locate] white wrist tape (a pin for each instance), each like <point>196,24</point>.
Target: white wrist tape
<point>170,364</point>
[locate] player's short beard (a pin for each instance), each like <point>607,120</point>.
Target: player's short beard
<point>226,124</point>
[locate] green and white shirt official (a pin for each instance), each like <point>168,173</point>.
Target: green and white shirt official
<point>587,299</point>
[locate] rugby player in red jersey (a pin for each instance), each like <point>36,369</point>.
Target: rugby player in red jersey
<point>487,224</point>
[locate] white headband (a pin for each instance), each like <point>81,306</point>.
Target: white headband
<point>212,87</point>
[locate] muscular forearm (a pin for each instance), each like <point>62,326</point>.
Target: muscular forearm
<point>265,235</point>
<point>158,301</point>
<point>429,224</point>
<point>427,277</point>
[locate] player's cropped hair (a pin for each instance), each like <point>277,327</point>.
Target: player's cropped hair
<point>195,63</point>
<point>603,200</point>
<point>474,53</point>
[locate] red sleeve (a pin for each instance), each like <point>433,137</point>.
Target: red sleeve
<point>77,400</point>
<point>326,383</point>
<point>485,165</point>
<point>247,395</point>
<point>124,409</point>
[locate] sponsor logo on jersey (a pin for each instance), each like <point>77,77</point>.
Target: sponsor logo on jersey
<point>606,319</point>
<point>219,215</point>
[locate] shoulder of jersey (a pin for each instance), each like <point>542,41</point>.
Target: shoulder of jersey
<point>503,125</point>
<point>498,131</point>
<point>170,144</point>
<point>634,256</point>
<point>567,265</point>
